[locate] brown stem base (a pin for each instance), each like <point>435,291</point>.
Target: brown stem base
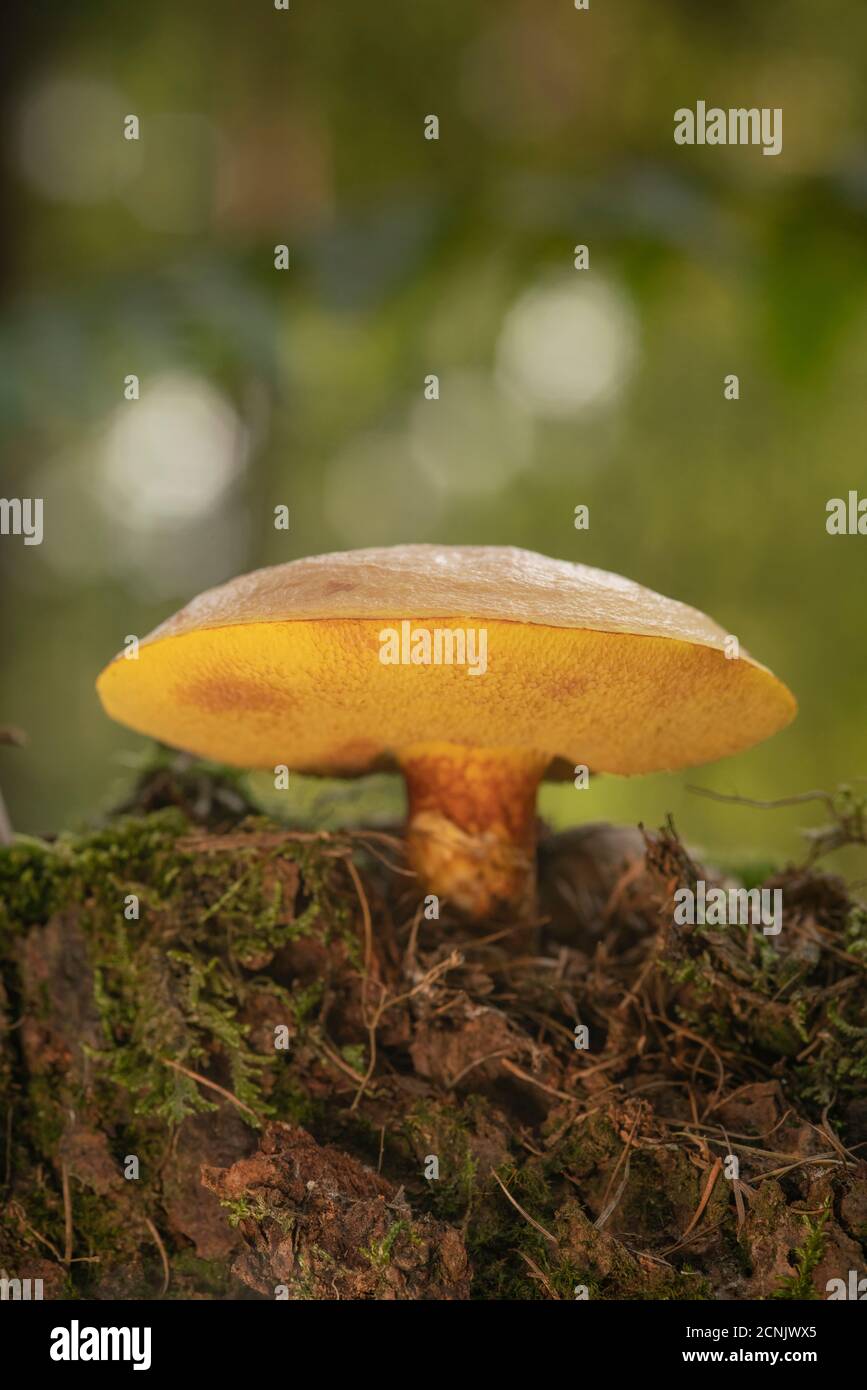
<point>471,829</point>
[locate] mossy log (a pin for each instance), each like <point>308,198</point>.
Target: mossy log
<point>238,1061</point>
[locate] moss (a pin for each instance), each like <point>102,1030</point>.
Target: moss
<point>585,1148</point>
<point>100,1225</point>
<point>240,1209</point>
<point>32,885</point>
<point>588,1256</point>
<point>226,921</point>
<point>740,990</point>
<point>208,1277</point>
<point>355,1055</point>
<point>243,1209</point>
<point>45,1118</point>
<point>855,936</point>
<point>304,1000</point>
<point>499,1236</point>
<point>380,1254</point>
<point>451,1133</point>
<point>305,1284</point>
<point>839,1069</point>
<point>168,984</point>
<point>168,989</point>
<point>514,1259</point>
<point>290,1101</point>
<point>807,1257</point>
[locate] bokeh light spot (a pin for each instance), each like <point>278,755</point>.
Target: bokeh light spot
<point>568,344</point>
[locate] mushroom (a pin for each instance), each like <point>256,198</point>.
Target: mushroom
<point>475,670</point>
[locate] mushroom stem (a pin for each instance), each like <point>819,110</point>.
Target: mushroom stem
<point>471,830</point>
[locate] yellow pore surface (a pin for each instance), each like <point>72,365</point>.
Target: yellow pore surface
<point>314,695</point>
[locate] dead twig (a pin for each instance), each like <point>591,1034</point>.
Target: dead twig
<point>450,963</point>
<point>365,914</point>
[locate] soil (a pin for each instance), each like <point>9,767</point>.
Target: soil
<point>237,1061</point>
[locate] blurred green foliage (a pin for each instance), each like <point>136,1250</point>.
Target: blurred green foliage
<point>407,257</point>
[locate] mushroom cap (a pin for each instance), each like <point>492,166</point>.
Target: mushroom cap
<point>283,666</point>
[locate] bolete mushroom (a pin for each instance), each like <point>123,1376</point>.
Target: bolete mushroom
<point>476,670</point>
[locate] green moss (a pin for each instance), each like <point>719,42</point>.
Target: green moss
<point>33,880</point>
<point>355,1054</point>
<point>306,1283</point>
<point>586,1148</point>
<point>380,1254</point>
<point>169,987</point>
<point>168,984</point>
<point>807,1257</point>
<point>856,933</point>
<point>515,1260</point>
<point>592,1258</point>
<point>448,1132</point>
<point>101,1225</point>
<point>258,1210</point>
<point>211,1277</point>
<point>290,1101</point>
<point>840,1067</point>
<point>46,1122</point>
<point>305,1000</point>
<point>499,1236</point>
<point>174,988</point>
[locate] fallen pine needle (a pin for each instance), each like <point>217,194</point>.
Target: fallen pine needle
<point>526,1215</point>
<point>525,1076</point>
<point>203,1081</point>
<point>705,1198</point>
<point>157,1239</point>
<point>539,1274</point>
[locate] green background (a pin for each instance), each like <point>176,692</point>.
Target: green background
<point>454,257</point>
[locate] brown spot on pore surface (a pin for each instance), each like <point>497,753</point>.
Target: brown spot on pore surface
<point>229,693</point>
